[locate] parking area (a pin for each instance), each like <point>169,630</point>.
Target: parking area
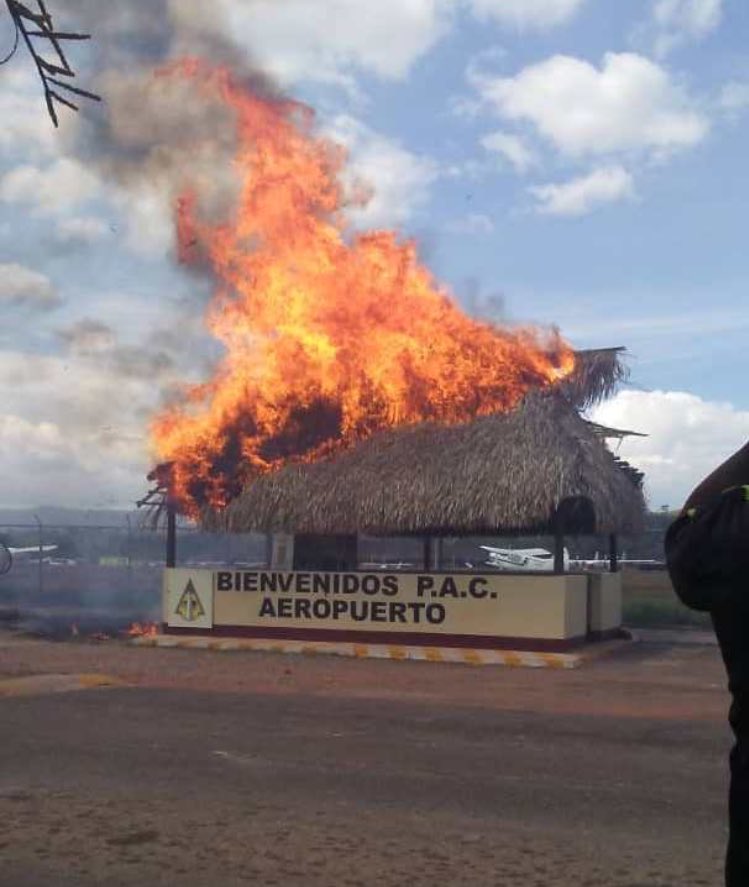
<point>122,765</point>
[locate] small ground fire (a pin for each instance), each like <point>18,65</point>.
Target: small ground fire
<point>330,334</point>
<point>142,629</point>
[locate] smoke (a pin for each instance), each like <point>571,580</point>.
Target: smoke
<point>88,336</point>
<point>154,135</point>
<point>482,304</point>
<point>151,138</point>
<point>98,343</point>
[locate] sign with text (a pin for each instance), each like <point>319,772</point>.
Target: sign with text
<point>430,603</point>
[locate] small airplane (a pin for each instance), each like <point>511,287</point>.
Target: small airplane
<point>523,560</point>
<point>8,554</point>
<point>31,550</point>
<point>603,563</point>
<point>540,560</point>
<point>377,565</point>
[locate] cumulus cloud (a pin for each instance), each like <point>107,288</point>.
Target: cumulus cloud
<point>41,441</point>
<point>81,230</point>
<point>43,463</point>
<point>149,219</point>
<point>20,286</point>
<point>526,14</point>
<point>73,427</point>
<point>399,180</point>
<point>678,21</point>
<point>25,126</point>
<point>629,104</point>
<point>581,195</point>
<point>325,40</point>
<point>58,187</point>
<point>687,438</point>
<point>734,97</point>
<point>512,148</point>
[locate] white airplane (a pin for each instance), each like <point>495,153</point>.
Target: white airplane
<point>523,560</point>
<point>377,565</point>
<point>602,563</point>
<point>31,550</point>
<point>8,554</point>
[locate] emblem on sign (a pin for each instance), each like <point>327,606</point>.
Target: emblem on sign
<point>189,606</point>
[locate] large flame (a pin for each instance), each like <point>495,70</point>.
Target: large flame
<point>329,335</point>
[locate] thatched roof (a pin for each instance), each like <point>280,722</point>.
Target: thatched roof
<point>598,373</point>
<point>501,473</point>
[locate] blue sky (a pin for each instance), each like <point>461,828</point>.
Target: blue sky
<point>571,162</point>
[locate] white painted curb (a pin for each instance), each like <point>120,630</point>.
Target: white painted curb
<point>460,655</point>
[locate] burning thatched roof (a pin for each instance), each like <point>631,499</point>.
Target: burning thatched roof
<point>596,376</point>
<point>499,473</point>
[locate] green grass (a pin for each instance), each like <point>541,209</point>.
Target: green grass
<point>661,614</point>
<point>650,602</point>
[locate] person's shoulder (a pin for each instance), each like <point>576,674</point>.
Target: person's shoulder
<point>732,498</point>
<point>707,547</point>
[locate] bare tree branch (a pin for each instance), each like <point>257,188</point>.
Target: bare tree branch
<point>35,25</point>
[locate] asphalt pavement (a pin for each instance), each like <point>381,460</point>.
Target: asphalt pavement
<point>138,783</point>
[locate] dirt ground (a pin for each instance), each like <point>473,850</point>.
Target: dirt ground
<point>123,766</point>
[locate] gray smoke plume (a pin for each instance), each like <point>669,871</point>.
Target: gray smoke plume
<point>150,139</point>
<point>155,132</point>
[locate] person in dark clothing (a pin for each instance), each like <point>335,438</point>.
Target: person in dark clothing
<point>707,552</point>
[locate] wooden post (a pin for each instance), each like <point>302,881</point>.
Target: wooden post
<point>427,555</point>
<point>558,545</point>
<point>613,554</point>
<point>171,535</point>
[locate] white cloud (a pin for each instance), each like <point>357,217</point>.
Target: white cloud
<point>58,187</point>
<point>525,14</point>
<point>581,195</point>
<point>687,438</point>
<point>44,464</point>
<point>23,287</point>
<point>734,97</point>
<point>325,40</point>
<point>74,427</point>
<point>36,440</point>
<point>81,229</point>
<point>399,180</point>
<point>473,223</point>
<point>512,148</point>
<point>628,104</point>
<point>677,21</point>
<point>25,125</point>
<point>695,17</point>
<point>149,220</point>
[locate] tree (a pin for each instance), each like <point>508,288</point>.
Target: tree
<point>46,46</point>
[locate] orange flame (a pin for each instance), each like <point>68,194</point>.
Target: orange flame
<point>142,629</point>
<point>330,335</point>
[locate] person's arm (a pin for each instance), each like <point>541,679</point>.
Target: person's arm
<point>734,472</point>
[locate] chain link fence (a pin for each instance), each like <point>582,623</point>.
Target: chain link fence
<point>67,579</point>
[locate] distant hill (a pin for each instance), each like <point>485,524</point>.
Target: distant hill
<point>67,517</point>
